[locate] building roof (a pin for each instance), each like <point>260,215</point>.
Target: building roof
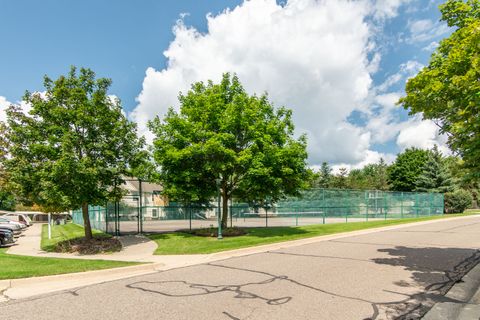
<point>133,184</point>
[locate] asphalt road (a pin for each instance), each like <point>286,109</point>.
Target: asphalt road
<point>396,274</point>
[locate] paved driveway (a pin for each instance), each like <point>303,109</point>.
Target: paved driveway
<point>396,274</point>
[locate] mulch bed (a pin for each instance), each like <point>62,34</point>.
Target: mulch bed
<point>94,246</point>
<point>212,232</point>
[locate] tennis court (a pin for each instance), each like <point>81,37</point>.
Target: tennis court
<point>137,213</point>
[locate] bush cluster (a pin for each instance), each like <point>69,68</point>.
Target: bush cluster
<point>457,201</point>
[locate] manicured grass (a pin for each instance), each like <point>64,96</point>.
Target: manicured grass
<point>64,232</point>
<point>15,267</point>
<point>184,243</point>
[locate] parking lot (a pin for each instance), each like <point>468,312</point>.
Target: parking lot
<point>12,226</point>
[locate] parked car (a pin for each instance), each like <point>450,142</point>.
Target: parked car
<point>15,229</point>
<point>6,238</point>
<point>19,217</point>
<point>12,226</point>
<point>19,224</point>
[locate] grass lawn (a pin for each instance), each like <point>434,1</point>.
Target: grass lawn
<point>15,267</point>
<point>64,232</point>
<point>184,243</point>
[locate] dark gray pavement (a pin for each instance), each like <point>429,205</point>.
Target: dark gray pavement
<point>395,274</point>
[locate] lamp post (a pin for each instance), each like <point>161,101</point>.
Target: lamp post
<point>218,182</point>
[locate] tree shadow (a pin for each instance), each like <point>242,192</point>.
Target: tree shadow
<point>263,232</point>
<point>132,240</point>
<point>435,270</point>
<point>260,232</point>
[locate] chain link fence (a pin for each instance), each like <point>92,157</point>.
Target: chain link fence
<point>140,212</point>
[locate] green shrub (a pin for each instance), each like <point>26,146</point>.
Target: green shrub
<point>457,201</point>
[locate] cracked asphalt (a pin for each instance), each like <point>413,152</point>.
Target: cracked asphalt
<point>395,274</point>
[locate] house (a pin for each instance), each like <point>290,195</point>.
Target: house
<point>152,200</point>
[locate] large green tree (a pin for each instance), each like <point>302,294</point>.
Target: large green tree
<point>435,176</point>
<point>73,147</point>
<point>404,172</point>
<point>448,89</point>
<point>221,132</point>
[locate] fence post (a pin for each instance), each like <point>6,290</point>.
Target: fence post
<point>430,208</point>
<point>49,225</point>
<point>401,205</point>
<point>366,205</point>
<point>117,217</point>
<point>190,215</point>
<point>231,214</point>
<point>416,204</point>
<point>296,216</point>
<point>106,217</point>
<point>384,205</point>
<point>323,204</point>
<point>266,217</point>
<point>140,215</point>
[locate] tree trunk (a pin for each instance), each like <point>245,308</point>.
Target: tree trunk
<point>224,209</point>
<point>86,222</point>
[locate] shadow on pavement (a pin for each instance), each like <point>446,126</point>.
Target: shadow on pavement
<point>435,270</point>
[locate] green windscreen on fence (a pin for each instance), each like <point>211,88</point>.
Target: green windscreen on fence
<point>138,212</point>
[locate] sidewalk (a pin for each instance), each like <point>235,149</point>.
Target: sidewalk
<point>138,248</point>
<point>135,248</point>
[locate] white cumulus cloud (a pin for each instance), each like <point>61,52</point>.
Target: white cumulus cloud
<point>425,29</point>
<point>4,103</point>
<point>309,55</point>
<point>423,134</point>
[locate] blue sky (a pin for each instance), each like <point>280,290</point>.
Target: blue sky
<point>117,39</point>
<point>380,44</point>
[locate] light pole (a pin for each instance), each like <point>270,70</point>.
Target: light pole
<point>219,237</point>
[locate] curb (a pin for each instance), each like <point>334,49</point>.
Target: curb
<point>461,295</point>
<point>27,287</point>
<point>4,285</point>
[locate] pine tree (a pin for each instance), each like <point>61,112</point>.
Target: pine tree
<point>381,176</point>
<point>435,177</point>
<point>325,176</point>
<point>340,180</point>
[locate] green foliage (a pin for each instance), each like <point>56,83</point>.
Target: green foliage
<point>3,142</point>
<point>404,172</point>
<point>371,177</point>
<point>222,132</point>
<point>14,266</point>
<point>457,201</point>
<point>461,178</point>
<point>340,180</point>
<point>324,176</point>
<point>435,177</point>
<point>7,200</point>
<point>447,90</point>
<point>72,146</point>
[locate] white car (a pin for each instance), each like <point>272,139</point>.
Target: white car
<point>18,225</point>
<point>18,217</point>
